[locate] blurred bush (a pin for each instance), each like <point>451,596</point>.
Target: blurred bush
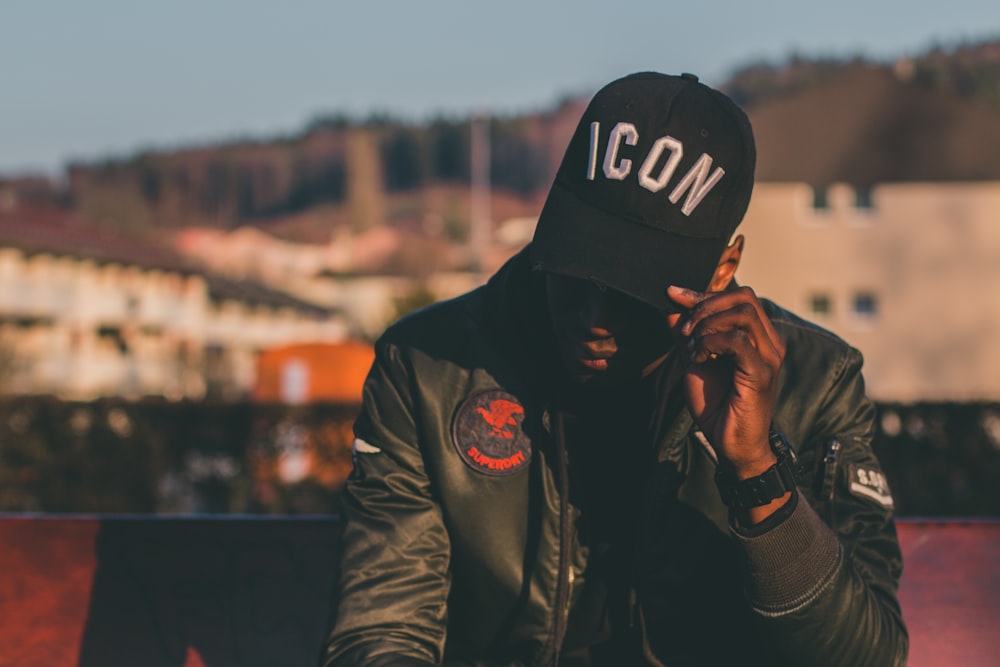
<point>159,457</point>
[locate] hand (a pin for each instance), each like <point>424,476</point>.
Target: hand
<point>732,380</point>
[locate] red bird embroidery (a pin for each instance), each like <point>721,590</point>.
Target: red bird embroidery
<point>500,415</point>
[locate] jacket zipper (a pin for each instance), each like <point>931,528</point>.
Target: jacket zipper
<point>830,475</point>
<point>635,615</point>
<point>562,584</point>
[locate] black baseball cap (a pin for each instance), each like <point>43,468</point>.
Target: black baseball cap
<point>652,186</point>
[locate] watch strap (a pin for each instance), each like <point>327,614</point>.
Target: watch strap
<point>773,483</point>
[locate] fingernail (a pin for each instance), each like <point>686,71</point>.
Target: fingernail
<point>687,328</point>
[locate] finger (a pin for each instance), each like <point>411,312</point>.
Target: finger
<point>709,304</point>
<point>745,317</point>
<point>735,346</point>
<point>723,343</point>
<point>715,302</point>
<point>772,333</point>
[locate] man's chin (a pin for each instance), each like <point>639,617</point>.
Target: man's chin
<point>596,376</point>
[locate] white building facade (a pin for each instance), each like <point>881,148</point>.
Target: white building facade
<point>79,325</point>
<point>909,273</point>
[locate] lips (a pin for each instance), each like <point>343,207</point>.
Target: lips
<point>596,354</point>
<point>594,364</point>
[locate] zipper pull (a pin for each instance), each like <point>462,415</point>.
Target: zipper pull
<point>830,469</point>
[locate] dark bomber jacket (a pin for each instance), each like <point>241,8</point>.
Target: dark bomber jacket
<point>453,554</point>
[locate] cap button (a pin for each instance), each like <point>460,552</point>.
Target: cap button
<point>690,77</point>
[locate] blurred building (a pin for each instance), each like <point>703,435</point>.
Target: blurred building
<point>85,314</point>
<point>907,272</point>
<point>309,451</point>
<point>365,274</point>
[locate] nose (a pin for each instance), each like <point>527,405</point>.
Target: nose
<point>585,307</point>
<point>593,306</point>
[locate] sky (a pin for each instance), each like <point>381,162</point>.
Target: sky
<point>85,80</point>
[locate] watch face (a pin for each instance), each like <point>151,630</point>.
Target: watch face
<point>773,483</point>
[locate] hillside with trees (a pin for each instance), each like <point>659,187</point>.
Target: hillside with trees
<point>935,116</point>
<point>261,181</point>
<point>968,71</point>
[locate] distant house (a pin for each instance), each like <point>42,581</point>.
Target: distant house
<point>363,275</point>
<point>84,314</point>
<point>907,272</point>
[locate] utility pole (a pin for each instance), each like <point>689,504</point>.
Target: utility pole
<point>365,188</point>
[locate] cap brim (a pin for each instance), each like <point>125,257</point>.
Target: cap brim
<point>576,239</point>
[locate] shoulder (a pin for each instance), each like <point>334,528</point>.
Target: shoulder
<point>438,327</point>
<point>821,387</point>
<point>808,343</point>
<point>795,326</point>
<point>418,361</point>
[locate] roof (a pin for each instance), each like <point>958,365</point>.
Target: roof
<point>226,289</point>
<point>36,229</point>
<point>39,229</point>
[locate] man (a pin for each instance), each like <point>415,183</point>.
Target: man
<point>591,460</point>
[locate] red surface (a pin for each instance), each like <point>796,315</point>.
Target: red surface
<point>46,574</point>
<point>950,593</point>
<point>164,592</point>
<point>216,592</point>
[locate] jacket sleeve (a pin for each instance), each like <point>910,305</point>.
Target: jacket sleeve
<point>824,579</point>
<point>390,605</point>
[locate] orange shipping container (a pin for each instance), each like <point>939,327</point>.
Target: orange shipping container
<point>313,373</point>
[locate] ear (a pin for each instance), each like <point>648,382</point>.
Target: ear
<point>728,263</point>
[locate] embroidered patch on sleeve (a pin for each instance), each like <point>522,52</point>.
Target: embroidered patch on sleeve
<point>869,482</point>
<point>487,433</point>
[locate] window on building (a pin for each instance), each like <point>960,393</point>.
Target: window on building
<point>821,200</point>
<point>294,382</point>
<point>820,304</point>
<point>131,305</point>
<point>865,305</point>
<point>115,337</point>
<point>863,198</point>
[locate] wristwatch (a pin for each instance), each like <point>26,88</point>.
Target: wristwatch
<point>776,481</point>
